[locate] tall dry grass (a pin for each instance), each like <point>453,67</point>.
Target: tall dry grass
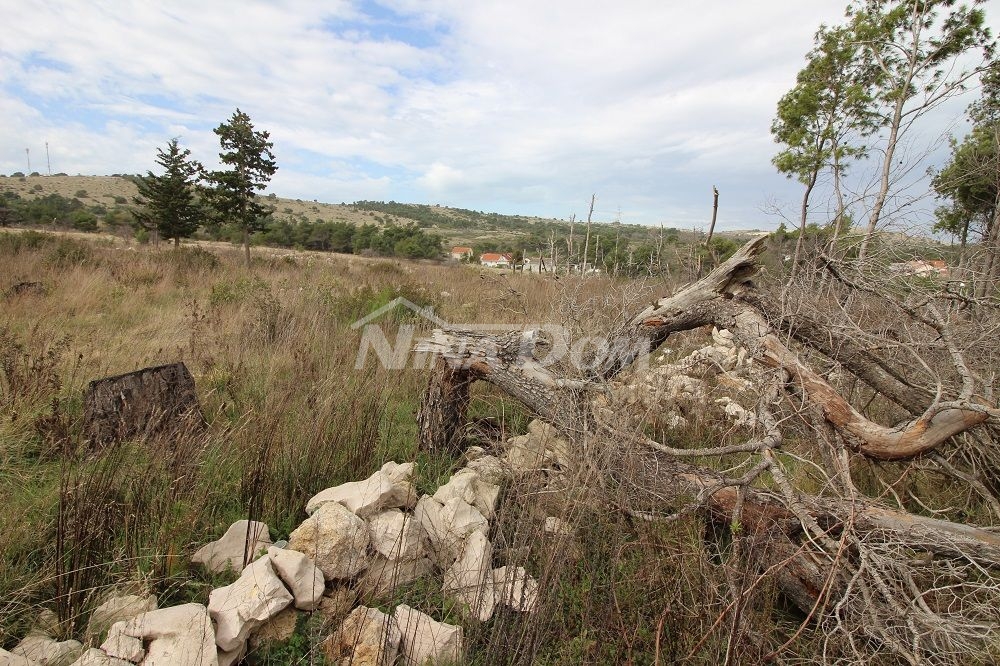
<point>273,358</point>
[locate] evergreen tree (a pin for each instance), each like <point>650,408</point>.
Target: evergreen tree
<point>922,53</point>
<point>830,101</point>
<point>970,182</point>
<point>166,202</point>
<point>233,193</point>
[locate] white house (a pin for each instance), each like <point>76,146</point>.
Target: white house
<point>496,260</point>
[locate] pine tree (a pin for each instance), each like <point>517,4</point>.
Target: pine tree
<point>831,101</point>
<point>233,193</point>
<point>923,53</point>
<point>167,202</point>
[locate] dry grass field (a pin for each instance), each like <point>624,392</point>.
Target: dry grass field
<point>273,358</point>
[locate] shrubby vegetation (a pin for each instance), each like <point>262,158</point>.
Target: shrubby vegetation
<point>407,241</point>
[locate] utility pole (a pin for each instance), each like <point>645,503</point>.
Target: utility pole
<point>27,151</point>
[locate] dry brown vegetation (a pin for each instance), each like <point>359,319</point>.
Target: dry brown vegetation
<point>273,358</point>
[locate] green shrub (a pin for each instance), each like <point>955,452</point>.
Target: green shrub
<point>29,240</point>
<point>68,252</point>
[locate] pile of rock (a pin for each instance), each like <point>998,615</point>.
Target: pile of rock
<point>365,538</point>
<point>674,389</point>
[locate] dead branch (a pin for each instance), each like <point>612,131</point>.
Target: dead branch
<point>888,574</point>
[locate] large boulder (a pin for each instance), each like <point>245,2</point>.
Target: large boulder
<point>335,539</point>
<point>468,486</point>
<point>116,609</point>
<point>300,575</point>
<point>42,650</point>
<point>384,576</point>
<point>242,542</point>
<point>388,488</point>
<point>427,640</point>
<point>397,535</point>
<point>238,609</point>
<point>447,526</point>
<point>470,578</point>
<point>176,635</point>
<point>367,637</point>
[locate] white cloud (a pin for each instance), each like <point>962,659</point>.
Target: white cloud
<point>517,105</point>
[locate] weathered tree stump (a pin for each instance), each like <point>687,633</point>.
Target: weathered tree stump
<point>26,289</point>
<point>152,401</point>
<point>443,408</point>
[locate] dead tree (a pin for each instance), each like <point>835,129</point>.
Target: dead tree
<point>923,587</point>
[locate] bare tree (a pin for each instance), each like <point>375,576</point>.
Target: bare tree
<point>917,49</point>
<point>874,574</point>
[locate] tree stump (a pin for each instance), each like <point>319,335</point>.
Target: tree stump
<point>443,408</point>
<point>26,289</point>
<point>152,401</point>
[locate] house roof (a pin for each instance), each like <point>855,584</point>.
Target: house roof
<point>463,250</point>
<point>493,256</point>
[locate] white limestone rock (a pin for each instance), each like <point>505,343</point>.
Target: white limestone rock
<point>556,447</point>
<point>468,486</point>
<point>515,588</point>
<point>448,526</point>
<point>490,468</point>
<point>335,539</point>
<point>238,609</point>
<point>367,637</point>
<point>230,657</point>
<point>300,575</point>
<point>95,657</point>
<point>470,578</point>
<point>397,536</point>
<point>176,635</point>
<point>404,495</point>
<point>278,629</point>
<point>384,576</point>
<point>426,640</point>
<point>42,650</point>
<point>11,659</point>
<point>122,646</point>
<point>116,609</point>
<point>557,526</point>
<point>388,488</point>
<point>244,538</point>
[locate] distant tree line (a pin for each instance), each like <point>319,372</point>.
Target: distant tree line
<point>57,210</point>
<point>409,241</point>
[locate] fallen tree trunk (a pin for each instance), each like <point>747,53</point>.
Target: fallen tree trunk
<point>848,548</point>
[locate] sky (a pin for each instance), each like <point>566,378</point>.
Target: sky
<point>519,107</point>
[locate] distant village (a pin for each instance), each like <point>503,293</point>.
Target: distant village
<point>499,260</point>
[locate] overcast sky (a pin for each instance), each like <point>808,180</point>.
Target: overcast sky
<point>519,106</point>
